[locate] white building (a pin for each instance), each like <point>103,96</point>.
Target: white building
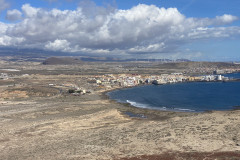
<point>219,77</point>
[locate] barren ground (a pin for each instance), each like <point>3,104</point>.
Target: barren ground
<point>90,127</point>
<point>38,122</point>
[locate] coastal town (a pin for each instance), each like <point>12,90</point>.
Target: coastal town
<point>113,81</point>
<point>129,80</point>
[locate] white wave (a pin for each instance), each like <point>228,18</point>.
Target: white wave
<point>140,105</point>
<point>182,109</point>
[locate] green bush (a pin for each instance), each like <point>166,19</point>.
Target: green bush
<point>71,91</point>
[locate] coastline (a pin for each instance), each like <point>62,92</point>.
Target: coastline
<point>200,136</point>
<point>144,113</point>
<point>96,127</point>
<point>104,94</point>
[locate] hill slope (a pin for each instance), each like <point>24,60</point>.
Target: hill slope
<point>62,61</point>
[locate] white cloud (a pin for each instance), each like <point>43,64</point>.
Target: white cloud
<point>3,28</point>
<point>30,11</point>
<point>141,29</point>
<point>149,48</point>
<point>226,18</point>
<point>13,15</point>
<point>9,41</point>
<point>3,5</point>
<point>58,45</point>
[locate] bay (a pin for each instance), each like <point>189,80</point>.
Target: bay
<point>189,97</point>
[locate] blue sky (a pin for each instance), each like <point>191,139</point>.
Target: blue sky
<point>190,8</point>
<point>193,29</point>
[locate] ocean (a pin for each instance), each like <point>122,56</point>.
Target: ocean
<point>183,97</point>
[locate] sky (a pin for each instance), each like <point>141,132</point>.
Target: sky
<point>204,30</point>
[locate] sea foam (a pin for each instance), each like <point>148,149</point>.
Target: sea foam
<point>141,105</point>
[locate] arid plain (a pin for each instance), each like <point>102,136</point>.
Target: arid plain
<point>40,120</point>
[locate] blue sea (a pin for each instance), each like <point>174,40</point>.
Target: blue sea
<point>183,97</point>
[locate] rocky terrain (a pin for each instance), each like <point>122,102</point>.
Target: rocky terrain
<point>89,127</point>
<point>39,120</point>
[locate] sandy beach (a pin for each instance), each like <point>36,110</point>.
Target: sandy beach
<point>94,127</point>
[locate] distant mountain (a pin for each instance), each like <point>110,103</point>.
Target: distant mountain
<point>110,59</point>
<point>19,53</point>
<point>183,60</point>
<point>62,61</point>
<point>31,52</point>
<point>190,65</point>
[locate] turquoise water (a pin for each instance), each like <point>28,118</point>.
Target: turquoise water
<point>191,97</point>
